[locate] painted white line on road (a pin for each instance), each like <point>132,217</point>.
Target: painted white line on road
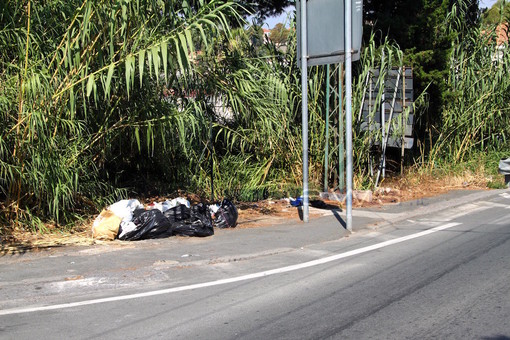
<point>375,214</point>
<point>495,205</point>
<point>233,279</point>
<point>505,195</point>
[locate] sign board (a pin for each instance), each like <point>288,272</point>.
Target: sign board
<point>326,30</point>
<point>402,113</point>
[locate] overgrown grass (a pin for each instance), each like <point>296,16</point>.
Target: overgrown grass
<point>104,100</point>
<point>482,168</point>
<point>82,97</point>
<point>476,118</point>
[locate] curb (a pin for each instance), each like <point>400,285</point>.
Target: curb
<point>441,205</point>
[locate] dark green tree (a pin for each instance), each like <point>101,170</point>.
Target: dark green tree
<point>261,9</point>
<point>279,34</point>
<point>420,28</point>
<point>266,8</point>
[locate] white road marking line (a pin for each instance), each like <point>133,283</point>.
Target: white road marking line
<point>494,204</point>
<point>375,214</point>
<point>497,205</point>
<point>448,215</point>
<point>233,279</point>
<point>463,210</point>
<point>505,195</point>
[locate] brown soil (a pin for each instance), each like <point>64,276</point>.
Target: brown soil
<point>254,215</point>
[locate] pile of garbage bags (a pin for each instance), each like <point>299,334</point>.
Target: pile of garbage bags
<point>129,220</point>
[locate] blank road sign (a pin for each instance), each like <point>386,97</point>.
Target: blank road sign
<point>326,30</point>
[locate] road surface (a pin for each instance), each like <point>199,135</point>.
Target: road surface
<point>442,275</point>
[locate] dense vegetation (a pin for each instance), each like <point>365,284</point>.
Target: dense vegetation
<point>106,99</point>
<point>499,12</point>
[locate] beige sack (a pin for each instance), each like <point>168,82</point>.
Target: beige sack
<point>106,226</point>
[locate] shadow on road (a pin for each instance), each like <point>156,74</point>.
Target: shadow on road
<point>496,337</point>
<point>339,218</point>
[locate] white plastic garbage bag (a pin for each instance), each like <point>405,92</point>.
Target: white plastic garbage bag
<point>107,224</point>
<point>168,204</point>
<point>504,166</point>
<point>124,209</point>
<point>155,205</point>
<point>126,227</point>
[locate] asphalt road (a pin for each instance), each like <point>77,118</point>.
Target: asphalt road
<point>441,275</point>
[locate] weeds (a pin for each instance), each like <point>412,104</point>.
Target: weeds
<point>103,100</point>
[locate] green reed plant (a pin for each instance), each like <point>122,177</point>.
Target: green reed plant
<point>264,135</point>
<point>476,117</point>
<point>81,95</point>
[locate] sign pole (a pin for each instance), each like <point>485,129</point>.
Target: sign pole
<point>326,152</point>
<point>348,108</point>
<point>304,107</point>
<point>341,146</point>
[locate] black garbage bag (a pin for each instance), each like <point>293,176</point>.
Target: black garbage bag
<point>199,223</point>
<point>226,216</point>
<point>137,213</point>
<point>149,224</point>
<point>178,213</point>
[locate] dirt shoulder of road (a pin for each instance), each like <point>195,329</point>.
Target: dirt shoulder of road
<point>258,214</point>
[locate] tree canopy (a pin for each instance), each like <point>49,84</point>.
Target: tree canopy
<point>266,8</point>
<point>279,34</point>
<point>499,12</point>
<point>419,27</point>
<point>413,24</point>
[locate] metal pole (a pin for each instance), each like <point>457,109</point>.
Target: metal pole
<point>326,152</point>
<point>348,108</point>
<point>383,117</point>
<point>370,109</point>
<point>211,145</point>
<point>403,121</point>
<point>304,107</point>
<point>341,146</point>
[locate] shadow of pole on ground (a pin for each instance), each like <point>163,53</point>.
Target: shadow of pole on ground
<point>336,213</point>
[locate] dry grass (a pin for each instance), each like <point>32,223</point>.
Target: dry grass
<point>413,186</point>
<point>417,185</point>
<point>18,240</point>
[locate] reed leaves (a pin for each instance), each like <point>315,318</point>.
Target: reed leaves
<point>69,100</point>
<point>101,99</point>
<point>476,117</point>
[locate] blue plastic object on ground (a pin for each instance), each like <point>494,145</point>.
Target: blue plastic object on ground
<point>297,202</point>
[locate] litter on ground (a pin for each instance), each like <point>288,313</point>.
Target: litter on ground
<point>129,220</point>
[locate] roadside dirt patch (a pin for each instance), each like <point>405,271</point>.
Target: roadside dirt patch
<point>270,212</point>
<point>256,214</point>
